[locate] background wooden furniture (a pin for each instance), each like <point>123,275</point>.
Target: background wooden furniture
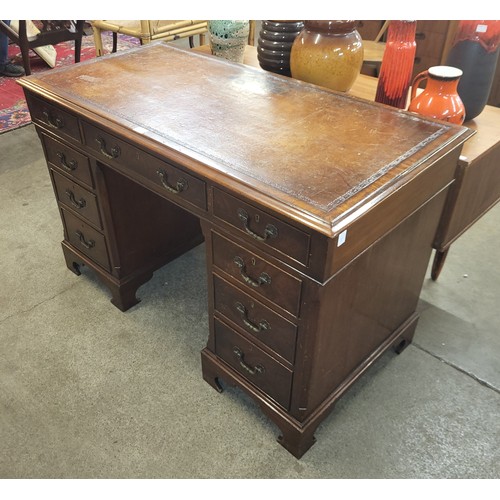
<point>477,185</point>
<point>433,40</point>
<point>148,31</point>
<point>370,30</point>
<point>315,259</point>
<point>374,48</point>
<point>52,37</point>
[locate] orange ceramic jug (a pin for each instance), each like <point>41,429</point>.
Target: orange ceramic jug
<point>440,97</point>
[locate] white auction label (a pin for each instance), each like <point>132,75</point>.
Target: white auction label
<point>342,237</point>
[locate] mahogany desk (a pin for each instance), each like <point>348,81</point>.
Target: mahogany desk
<point>318,211</point>
<point>477,181</point>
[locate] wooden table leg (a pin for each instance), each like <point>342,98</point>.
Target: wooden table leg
<point>437,265</point>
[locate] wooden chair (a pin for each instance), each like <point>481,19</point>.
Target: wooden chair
<point>374,49</point>
<point>147,31</point>
<point>74,31</point>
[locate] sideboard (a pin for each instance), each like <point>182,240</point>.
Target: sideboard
<point>477,185</point>
<point>317,210</point>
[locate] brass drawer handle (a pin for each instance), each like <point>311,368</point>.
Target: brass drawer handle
<point>271,231</point>
<point>87,244</point>
<point>261,327</point>
<point>69,166</point>
<point>181,184</point>
<point>81,203</point>
<point>263,279</point>
<point>113,154</point>
<point>56,122</point>
<point>258,369</point>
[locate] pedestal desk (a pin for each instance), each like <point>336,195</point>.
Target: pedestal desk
<point>318,212</point>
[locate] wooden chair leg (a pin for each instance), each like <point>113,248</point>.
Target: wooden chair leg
<point>24,46</point>
<point>438,263</point>
<point>78,40</point>
<point>115,42</point>
<point>98,42</point>
<point>78,50</point>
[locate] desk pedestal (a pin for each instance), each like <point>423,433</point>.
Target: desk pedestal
<point>343,326</point>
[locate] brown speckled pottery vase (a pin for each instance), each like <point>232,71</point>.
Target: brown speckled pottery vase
<point>328,53</point>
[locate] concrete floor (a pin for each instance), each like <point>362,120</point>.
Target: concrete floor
<point>87,391</point>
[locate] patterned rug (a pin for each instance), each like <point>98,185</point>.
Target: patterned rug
<point>13,109</point>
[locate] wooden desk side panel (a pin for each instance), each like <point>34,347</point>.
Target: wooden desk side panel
<point>478,189</point>
<point>361,307</point>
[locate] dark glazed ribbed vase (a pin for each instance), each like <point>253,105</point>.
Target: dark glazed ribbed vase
<point>274,45</point>
<point>475,51</point>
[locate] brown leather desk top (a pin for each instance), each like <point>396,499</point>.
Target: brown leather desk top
<point>286,143</point>
<point>487,124</point>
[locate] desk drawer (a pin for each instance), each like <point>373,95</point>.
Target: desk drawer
<point>256,274</point>
<point>77,198</point>
<point>165,178</point>
<point>86,239</point>
<point>68,160</point>
<point>256,319</point>
<point>262,227</point>
<point>54,118</point>
<point>253,364</point>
